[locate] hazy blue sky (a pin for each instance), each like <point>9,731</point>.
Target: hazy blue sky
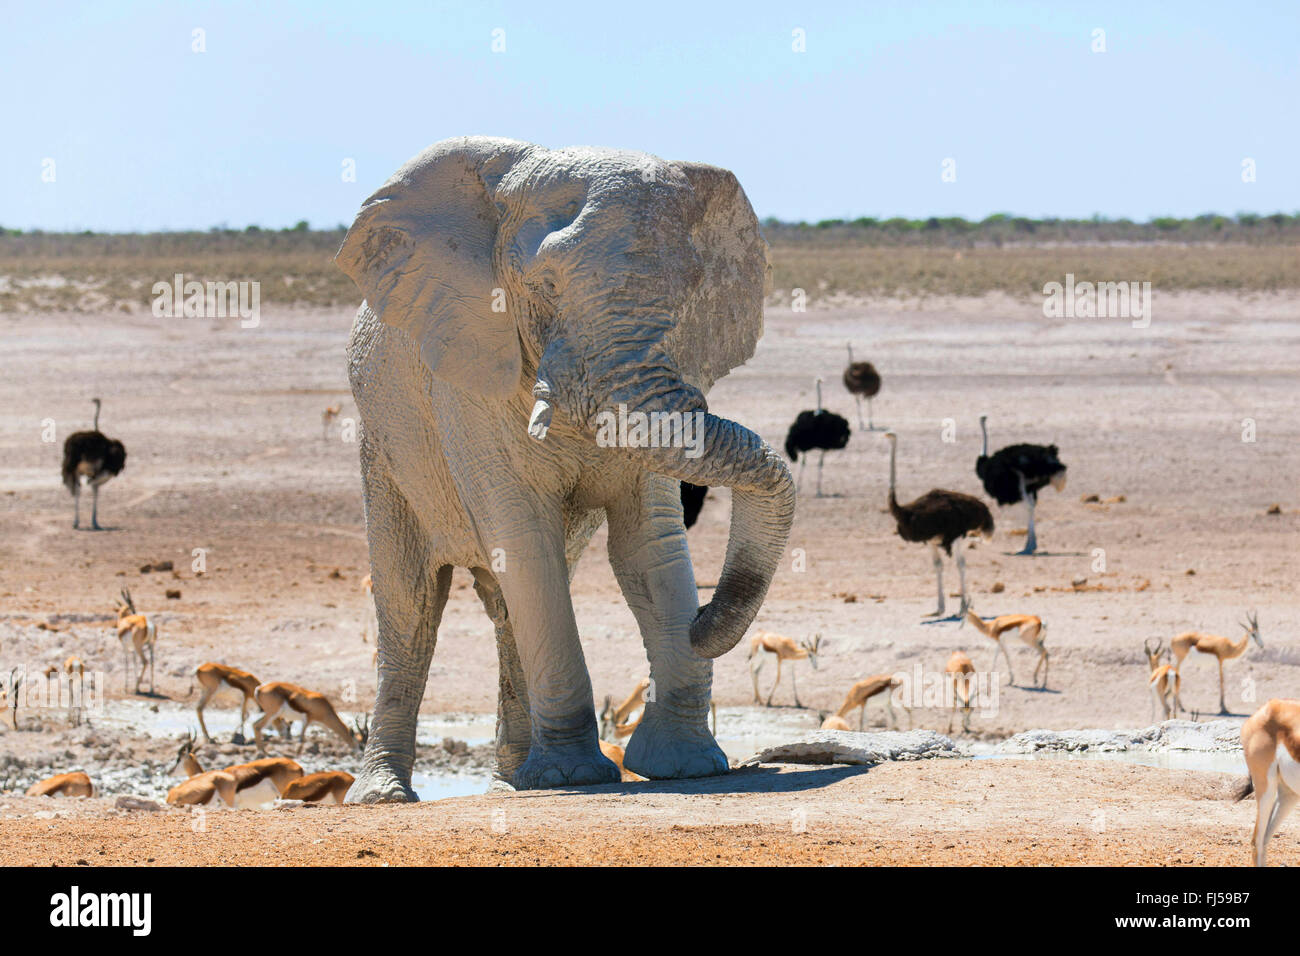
<point>146,134</point>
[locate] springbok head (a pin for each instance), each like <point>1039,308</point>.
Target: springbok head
<point>186,764</point>
<point>607,719</point>
<point>811,647</point>
<point>362,727</point>
<point>1251,625</point>
<point>1154,653</point>
<point>124,605</point>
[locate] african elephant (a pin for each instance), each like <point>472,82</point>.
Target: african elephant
<point>516,298</point>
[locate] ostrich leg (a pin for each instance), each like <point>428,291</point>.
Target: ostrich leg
<point>871,422</point>
<point>76,505</point>
<point>803,460</point>
<point>961,573</point>
<point>1031,539</point>
<point>938,576</point>
<point>820,461</point>
<point>94,509</point>
<point>861,424</point>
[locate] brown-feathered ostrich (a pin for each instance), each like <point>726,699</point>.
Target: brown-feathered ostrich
<point>820,429</point>
<point>863,381</point>
<point>939,518</point>
<point>95,457</point>
<point>1019,473</point>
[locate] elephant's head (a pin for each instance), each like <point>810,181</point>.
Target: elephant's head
<point>592,279</point>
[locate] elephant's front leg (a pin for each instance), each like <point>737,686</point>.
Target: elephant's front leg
<point>647,548</point>
<point>563,747</point>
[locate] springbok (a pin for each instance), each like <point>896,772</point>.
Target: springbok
<point>75,784</point>
<point>1163,682</point>
<point>211,677</point>
<point>136,632</point>
<point>1270,742</point>
<point>290,702</point>
<point>327,418</point>
<point>1223,648</point>
<point>242,786</point>
<point>960,671</point>
<point>857,697</point>
<point>614,723</point>
<point>785,649</point>
<point>1028,628</point>
<point>317,787</point>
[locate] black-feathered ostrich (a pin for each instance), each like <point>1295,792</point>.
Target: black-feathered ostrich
<point>95,457</point>
<point>1019,473</point>
<point>692,501</point>
<point>863,381</point>
<point>939,518</point>
<point>820,429</point>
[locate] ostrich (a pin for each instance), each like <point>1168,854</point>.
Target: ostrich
<point>692,501</point>
<point>939,518</point>
<point>95,457</point>
<point>1019,473</point>
<point>863,381</point>
<point>822,430</point>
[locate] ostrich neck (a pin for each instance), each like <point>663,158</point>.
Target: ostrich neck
<point>985,430</point>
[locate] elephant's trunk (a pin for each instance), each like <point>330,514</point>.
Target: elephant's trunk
<point>704,450</point>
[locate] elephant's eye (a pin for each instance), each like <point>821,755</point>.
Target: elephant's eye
<point>545,283</point>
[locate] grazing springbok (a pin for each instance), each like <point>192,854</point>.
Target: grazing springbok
<point>1028,628</point>
<point>785,649</point>
<point>857,697</point>
<point>1225,649</point>
<point>212,677</point>
<point>1163,682</point>
<point>1270,742</point>
<point>289,702</point>
<point>960,671</point>
<point>136,632</point>
<point>75,784</point>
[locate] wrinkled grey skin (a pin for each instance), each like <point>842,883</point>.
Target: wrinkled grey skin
<point>619,278</point>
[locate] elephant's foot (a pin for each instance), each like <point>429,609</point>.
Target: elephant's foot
<point>380,785</point>
<point>567,765</point>
<point>667,748</point>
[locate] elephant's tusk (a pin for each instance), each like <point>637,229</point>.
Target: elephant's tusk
<point>540,421</point>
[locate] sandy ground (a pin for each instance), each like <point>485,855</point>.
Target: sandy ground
<point>226,454</point>
<point>934,812</point>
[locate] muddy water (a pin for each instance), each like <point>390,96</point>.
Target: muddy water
<point>741,732</point>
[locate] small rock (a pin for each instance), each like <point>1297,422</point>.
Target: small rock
<point>1090,499</point>
<point>128,802</point>
<point>1274,510</point>
<point>173,594</point>
<point>1191,571</point>
<point>998,587</point>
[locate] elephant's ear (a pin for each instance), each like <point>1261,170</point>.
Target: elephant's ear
<point>420,251</point>
<point>722,318</point>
